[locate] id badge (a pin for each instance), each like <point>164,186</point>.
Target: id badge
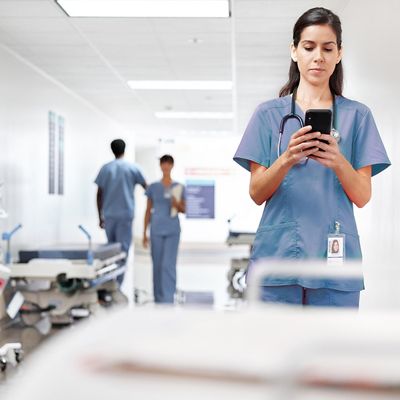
<point>336,248</point>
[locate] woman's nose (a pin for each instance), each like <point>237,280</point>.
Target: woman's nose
<point>318,56</point>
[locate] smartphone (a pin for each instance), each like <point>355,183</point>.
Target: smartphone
<point>320,120</point>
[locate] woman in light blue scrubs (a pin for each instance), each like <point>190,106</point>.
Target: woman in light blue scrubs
<point>309,186</point>
<point>165,200</point>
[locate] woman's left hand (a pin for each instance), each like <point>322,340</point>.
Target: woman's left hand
<point>174,202</point>
<point>329,154</point>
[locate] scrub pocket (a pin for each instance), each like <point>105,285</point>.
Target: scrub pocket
<point>276,241</point>
<point>353,247</point>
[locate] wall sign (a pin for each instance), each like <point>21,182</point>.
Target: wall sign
<point>56,153</point>
<point>200,199</point>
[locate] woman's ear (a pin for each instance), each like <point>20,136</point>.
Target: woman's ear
<point>340,55</point>
<point>293,52</point>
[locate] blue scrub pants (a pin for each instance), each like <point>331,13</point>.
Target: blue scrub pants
<point>164,252</point>
<point>119,230</point>
<point>295,294</point>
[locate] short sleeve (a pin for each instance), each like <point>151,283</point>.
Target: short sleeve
<point>149,192</point>
<point>99,181</point>
<point>183,192</point>
<point>368,148</point>
<point>139,177</point>
<point>256,141</point>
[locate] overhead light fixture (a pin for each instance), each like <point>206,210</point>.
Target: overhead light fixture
<point>205,132</point>
<point>146,8</point>
<point>180,85</point>
<point>193,115</point>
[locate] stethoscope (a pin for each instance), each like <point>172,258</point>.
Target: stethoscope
<point>292,115</point>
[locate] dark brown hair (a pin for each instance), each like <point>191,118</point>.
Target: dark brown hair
<point>166,158</point>
<point>118,147</point>
<point>315,16</point>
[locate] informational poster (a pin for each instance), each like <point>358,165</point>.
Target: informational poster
<point>52,152</point>
<point>60,155</point>
<point>56,153</point>
<point>200,199</point>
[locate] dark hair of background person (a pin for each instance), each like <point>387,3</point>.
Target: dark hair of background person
<point>118,147</point>
<point>166,159</point>
<point>315,16</point>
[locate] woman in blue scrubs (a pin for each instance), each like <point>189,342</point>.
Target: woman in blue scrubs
<point>309,186</point>
<point>165,200</point>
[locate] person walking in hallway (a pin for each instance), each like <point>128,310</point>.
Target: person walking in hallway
<point>165,200</point>
<point>116,182</point>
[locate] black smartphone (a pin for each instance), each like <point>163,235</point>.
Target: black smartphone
<point>320,120</point>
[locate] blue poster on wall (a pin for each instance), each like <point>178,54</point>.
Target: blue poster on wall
<point>52,152</point>
<point>200,199</point>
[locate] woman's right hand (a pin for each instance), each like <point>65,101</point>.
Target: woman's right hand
<point>301,144</point>
<point>145,241</point>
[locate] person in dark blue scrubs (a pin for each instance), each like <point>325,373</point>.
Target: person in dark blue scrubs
<point>115,197</point>
<point>309,186</point>
<point>165,200</point>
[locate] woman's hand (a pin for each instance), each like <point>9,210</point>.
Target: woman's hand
<point>145,241</point>
<point>301,144</point>
<point>175,203</point>
<point>179,205</point>
<point>355,183</point>
<point>328,154</point>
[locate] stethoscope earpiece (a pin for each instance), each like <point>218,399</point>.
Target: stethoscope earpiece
<point>335,134</point>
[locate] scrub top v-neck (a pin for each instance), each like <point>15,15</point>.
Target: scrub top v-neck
<point>303,210</point>
<point>161,221</point>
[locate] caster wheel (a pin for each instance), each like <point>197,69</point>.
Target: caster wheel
<point>18,356</point>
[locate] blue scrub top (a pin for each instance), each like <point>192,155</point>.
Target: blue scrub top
<point>117,179</point>
<point>161,222</point>
<point>303,210</point>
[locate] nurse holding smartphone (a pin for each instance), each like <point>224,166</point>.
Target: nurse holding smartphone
<point>309,202</point>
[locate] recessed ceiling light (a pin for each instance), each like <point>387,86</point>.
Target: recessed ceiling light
<point>180,85</point>
<point>193,115</point>
<point>146,8</point>
<point>204,132</point>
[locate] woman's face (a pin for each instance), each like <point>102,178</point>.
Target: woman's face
<point>317,54</point>
<point>166,167</point>
<point>335,246</point>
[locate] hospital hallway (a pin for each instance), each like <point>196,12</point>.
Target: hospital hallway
<point>186,137</point>
<point>202,273</point>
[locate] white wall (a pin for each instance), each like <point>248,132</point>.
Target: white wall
<point>371,61</point>
<point>26,98</point>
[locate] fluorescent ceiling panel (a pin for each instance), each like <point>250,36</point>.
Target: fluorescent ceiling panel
<point>193,115</point>
<point>146,8</point>
<point>180,85</point>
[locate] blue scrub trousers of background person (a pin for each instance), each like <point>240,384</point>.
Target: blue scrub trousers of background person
<point>119,230</point>
<point>296,294</point>
<point>164,252</point>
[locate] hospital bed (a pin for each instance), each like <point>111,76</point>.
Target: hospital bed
<point>10,353</point>
<point>269,352</point>
<point>67,282</point>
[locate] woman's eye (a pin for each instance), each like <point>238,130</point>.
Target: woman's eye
<point>308,48</point>
<point>328,50</point>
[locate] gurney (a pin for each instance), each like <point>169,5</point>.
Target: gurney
<point>10,353</point>
<point>67,282</point>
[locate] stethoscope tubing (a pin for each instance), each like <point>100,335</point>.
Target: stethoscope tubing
<point>293,115</point>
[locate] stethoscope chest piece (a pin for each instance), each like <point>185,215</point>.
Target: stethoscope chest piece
<point>335,134</point>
